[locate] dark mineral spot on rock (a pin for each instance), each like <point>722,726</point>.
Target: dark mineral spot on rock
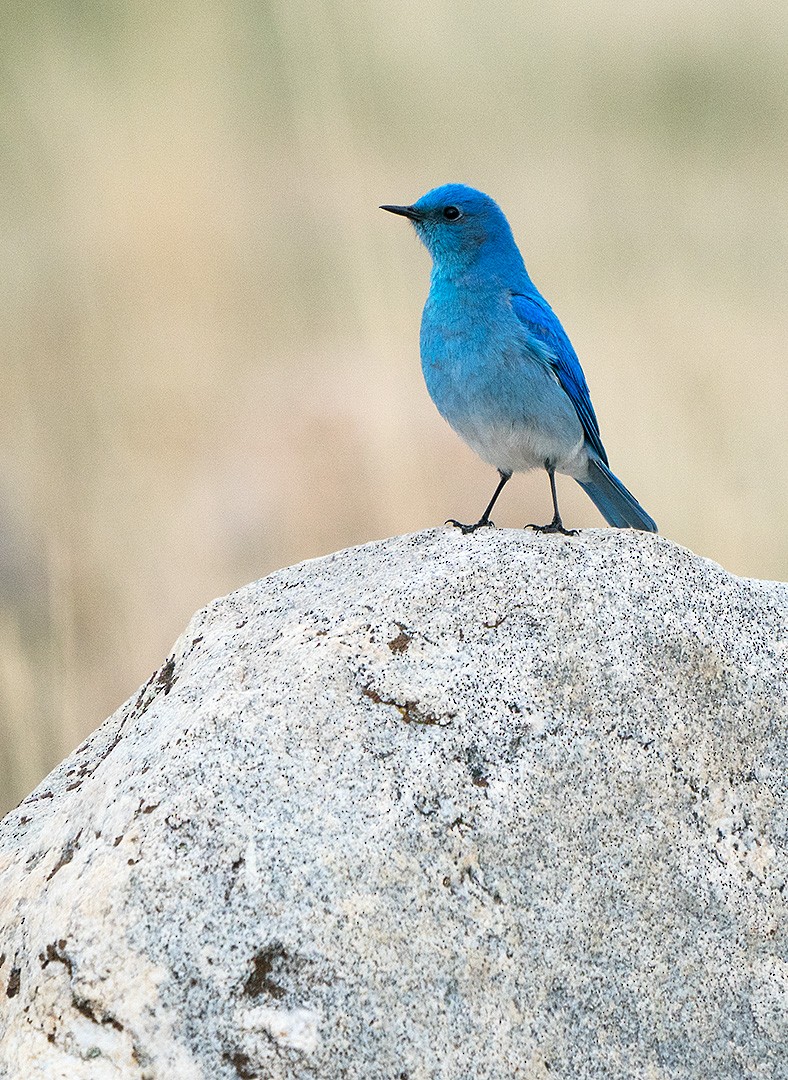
<point>235,866</point>
<point>14,980</point>
<point>55,953</point>
<point>242,1064</point>
<point>66,855</point>
<point>476,767</point>
<point>410,711</point>
<point>85,1007</point>
<point>263,963</point>
<point>166,676</point>
<point>373,695</point>
<point>400,643</point>
<point>33,860</point>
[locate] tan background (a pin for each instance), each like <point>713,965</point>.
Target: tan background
<point>210,332</point>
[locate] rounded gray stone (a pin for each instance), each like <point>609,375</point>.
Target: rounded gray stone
<point>442,806</point>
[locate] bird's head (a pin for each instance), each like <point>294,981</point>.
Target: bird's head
<point>458,224</point>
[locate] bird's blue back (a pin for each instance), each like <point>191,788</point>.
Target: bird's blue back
<point>546,335</point>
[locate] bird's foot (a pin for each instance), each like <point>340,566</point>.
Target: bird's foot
<point>555,526</point>
<point>465,529</point>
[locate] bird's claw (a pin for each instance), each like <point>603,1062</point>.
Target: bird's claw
<point>553,527</point>
<point>465,529</point>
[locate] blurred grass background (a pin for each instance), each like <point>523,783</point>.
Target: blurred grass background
<point>210,332</point>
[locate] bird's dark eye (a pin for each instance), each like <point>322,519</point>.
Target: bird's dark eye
<point>451,213</point>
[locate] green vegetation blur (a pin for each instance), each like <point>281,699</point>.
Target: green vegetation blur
<point>210,332</point>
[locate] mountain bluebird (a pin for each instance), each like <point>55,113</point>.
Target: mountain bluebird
<point>497,362</point>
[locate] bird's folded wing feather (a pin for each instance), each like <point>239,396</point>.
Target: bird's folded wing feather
<point>549,344</point>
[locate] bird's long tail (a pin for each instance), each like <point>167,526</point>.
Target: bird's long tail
<point>616,505</point>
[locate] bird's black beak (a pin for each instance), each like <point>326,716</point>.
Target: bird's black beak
<point>403,211</point>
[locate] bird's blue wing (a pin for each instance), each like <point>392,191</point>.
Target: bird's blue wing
<point>550,344</point>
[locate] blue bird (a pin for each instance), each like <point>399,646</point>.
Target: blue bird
<point>497,362</point>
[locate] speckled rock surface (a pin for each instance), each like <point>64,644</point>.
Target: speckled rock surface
<point>450,807</point>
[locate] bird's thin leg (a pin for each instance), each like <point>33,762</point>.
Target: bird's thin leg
<point>556,525</point>
<point>485,518</point>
